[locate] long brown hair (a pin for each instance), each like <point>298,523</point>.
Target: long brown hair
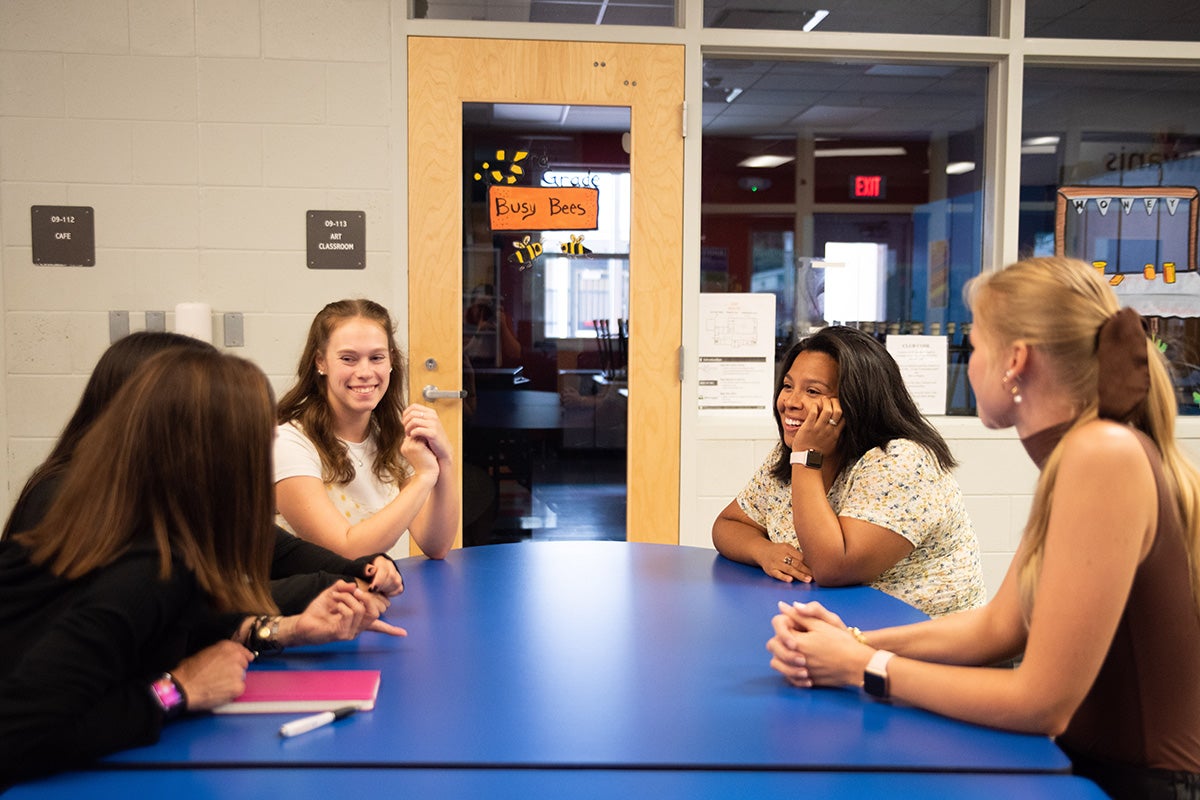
<point>110,373</point>
<point>180,458</point>
<point>1058,305</point>
<point>306,403</point>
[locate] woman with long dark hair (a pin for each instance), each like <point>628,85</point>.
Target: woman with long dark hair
<point>858,489</point>
<point>162,518</point>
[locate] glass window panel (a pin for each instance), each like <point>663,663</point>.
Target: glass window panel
<point>803,162</point>
<point>657,13</point>
<point>545,321</point>
<point>1113,157</point>
<point>949,17</point>
<point>1155,20</point>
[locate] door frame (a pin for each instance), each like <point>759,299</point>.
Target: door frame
<point>444,73</point>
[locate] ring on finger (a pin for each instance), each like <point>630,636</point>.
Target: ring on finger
<point>787,560</point>
<point>833,422</point>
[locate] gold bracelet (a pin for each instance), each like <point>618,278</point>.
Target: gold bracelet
<point>858,635</point>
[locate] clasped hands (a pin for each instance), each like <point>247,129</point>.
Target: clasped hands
<point>813,647</point>
<point>426,446</point>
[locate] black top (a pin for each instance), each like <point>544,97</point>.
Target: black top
<point>79,656</point>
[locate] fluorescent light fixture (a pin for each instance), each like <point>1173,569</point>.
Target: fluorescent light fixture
<point>960,167</point>
<point>818,16</point>
<point>859,152</point>
<point>765,162</point>
<point>1038,150</point>
<point>733,94</point>
<point>1040,141</point>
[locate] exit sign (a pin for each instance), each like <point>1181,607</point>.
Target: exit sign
<point>868,186</point>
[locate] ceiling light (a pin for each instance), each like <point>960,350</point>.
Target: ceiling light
<point>859,152</point>
<point>960,167</point>
<point>765,161</point>
<point>733,94</point>
<point>1038,150</point>
<point>1040,141</point>
<point>818,15</point>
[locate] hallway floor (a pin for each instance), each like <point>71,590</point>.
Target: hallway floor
<point>577,495</point>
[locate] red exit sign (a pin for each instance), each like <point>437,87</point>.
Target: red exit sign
<point>868,186</point>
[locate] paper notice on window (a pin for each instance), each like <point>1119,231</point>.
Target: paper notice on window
<point>737,353</point>
<point>922,362</point>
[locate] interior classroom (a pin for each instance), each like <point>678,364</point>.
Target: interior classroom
<point>236,165</point>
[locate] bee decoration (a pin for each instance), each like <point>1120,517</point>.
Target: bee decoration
<point>493,174</point>
<point>575,246</point>
<point>525,254</point>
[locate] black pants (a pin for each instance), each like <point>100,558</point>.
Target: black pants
<point>1123,781</point>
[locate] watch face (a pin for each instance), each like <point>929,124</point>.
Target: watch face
<point>264,632</point>
<point>807,458</point>
<point>875,684</point>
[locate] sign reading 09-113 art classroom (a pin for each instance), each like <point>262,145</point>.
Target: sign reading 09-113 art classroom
<point>337,239</point>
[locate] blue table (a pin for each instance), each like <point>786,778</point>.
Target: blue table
<point>605,655</point>
<point>523,784</point>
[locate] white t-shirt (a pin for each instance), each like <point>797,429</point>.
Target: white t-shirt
<point>360,499</point>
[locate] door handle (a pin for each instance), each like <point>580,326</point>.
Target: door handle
<point>432,393</point>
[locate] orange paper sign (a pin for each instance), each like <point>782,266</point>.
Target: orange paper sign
<point>543,208</point>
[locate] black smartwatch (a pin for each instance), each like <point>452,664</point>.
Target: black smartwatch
<point>875,676</point>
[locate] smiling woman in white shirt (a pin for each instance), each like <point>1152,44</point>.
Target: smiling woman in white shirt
<point>355,466</point>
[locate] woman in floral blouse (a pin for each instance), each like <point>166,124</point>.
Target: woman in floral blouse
<point>859,488</point>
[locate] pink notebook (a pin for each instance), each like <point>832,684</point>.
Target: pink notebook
<point>277,691</point>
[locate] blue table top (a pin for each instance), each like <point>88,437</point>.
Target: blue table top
<point>598,654</point>
<point>522,784</point>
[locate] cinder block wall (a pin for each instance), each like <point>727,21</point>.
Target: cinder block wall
<point>200,131</point>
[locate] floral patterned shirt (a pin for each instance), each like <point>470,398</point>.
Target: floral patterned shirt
<point>901,488</point>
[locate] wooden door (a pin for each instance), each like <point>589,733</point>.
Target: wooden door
<point>443,74</point>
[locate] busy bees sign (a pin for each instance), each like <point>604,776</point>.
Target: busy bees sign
<point>543,208</point>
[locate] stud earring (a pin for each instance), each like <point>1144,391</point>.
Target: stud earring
<point>321,372</point>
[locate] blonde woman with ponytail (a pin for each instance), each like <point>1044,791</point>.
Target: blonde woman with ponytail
<point>1101,603</point>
